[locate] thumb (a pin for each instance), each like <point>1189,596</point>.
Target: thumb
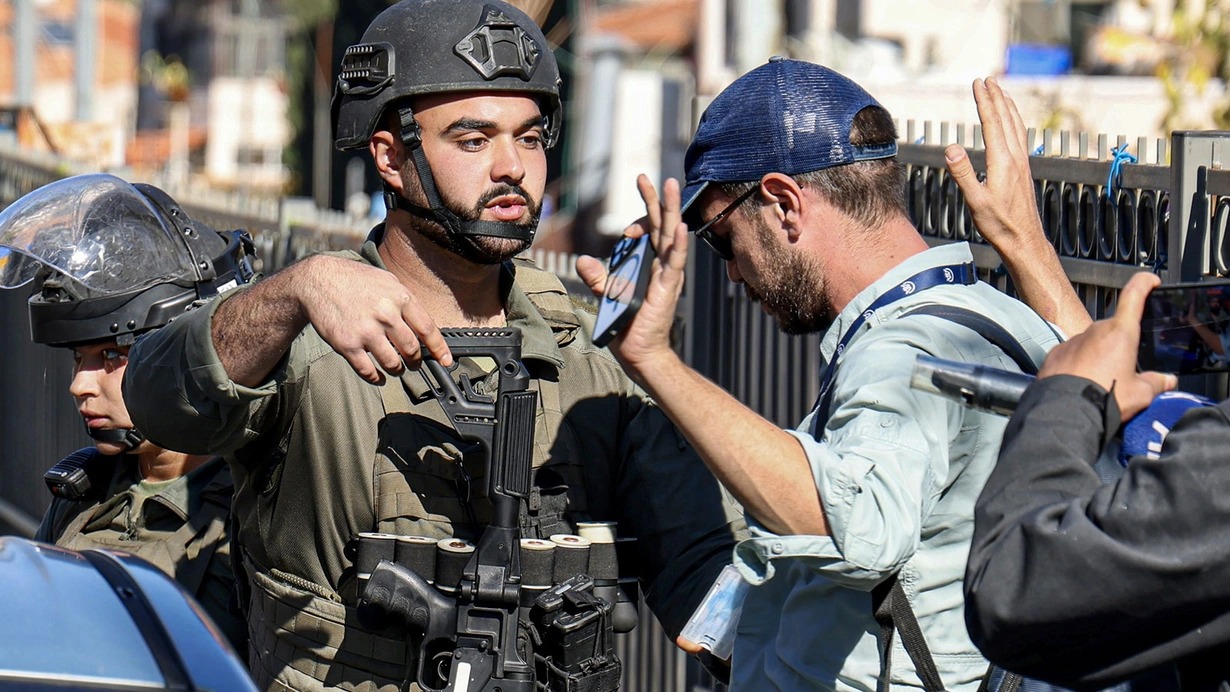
<point>687,645</point>
<point>593,273</point>
<point>1131,303</point>
<point>960,168</point>
<point>1160,381</point>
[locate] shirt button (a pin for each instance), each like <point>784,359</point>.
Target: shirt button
<point>778,548</point>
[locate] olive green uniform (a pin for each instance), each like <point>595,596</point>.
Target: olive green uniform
<point>178,525</point>
<point>319,455</point>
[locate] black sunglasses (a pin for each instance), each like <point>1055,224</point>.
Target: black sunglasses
<point>721,244</point>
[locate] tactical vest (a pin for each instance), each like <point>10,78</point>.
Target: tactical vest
<point>302,637</point>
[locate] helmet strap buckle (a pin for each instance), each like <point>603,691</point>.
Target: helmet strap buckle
<point>411,134</point>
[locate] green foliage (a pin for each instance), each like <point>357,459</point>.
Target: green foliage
<point>1199,52</point>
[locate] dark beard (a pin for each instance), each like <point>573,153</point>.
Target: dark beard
<point>484,250</point>
<point>794,293</point>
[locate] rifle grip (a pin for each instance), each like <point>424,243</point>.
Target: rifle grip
<point>408,597</point>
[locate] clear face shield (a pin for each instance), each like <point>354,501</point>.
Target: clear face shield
<point>96,230</point>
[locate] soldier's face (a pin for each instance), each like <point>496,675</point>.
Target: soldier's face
<point>98,372</point>
<point>488,158</point>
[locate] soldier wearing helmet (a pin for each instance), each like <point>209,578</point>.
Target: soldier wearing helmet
<point>108,261</point>
<point>308,381</point>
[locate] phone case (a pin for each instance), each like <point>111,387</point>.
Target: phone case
<point>630,266</point>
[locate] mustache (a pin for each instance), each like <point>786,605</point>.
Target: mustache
<point>502,190</point>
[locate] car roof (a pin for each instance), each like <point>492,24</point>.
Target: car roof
<point>99,619</point>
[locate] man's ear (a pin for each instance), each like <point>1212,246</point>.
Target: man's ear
<point>785,197</point>
<point>389,154</point>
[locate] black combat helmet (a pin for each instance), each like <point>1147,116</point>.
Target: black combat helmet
<point>418,47</point>
<point>109,260</point>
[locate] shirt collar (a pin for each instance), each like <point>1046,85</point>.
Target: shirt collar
<point>949,253</point>
<point>183,495</point>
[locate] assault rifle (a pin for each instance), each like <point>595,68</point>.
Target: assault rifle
<point>477,640</point>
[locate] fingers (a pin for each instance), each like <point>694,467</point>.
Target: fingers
<point>1134,393</point>
<point>962,170</point>
<point>676,254</point>
<point>1002,109</point>
<point>671,205</point>
<point>1018,123</point>
<point>992,130</point>
<point>363,365</point>
<point>415,331</point>
<point>687,645</point>
<point>649,193</point>
<point>1131,305</point>
<point>593,272</point>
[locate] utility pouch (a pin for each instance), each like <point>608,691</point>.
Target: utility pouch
<point>574,643</point>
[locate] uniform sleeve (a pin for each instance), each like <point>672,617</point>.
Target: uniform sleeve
<point>1085,584</point>
<point>878,466</point>
<point>685,523</point>
<point>179,395</point>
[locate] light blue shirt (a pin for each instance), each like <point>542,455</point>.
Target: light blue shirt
<point>898,472</point>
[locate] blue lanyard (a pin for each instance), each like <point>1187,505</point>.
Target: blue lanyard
<point>928,278</point>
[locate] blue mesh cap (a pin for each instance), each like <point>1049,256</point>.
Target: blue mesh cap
<point>786,116</point>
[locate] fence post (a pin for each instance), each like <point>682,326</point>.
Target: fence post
<point>1193,153</point>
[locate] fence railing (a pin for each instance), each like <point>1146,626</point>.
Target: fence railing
<point>1166,215</point>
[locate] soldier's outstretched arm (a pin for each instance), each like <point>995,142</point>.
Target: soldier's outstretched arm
<point>1005,210</point>
<point>363,312</point>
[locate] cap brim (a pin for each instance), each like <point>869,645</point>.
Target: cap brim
<point>691,193</point>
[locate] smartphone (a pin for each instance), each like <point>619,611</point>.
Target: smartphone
<point>627,279</point>
<point>1186,328</point>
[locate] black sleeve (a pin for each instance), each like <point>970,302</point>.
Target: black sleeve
<point>684,524</point>
<point>1085,584</point>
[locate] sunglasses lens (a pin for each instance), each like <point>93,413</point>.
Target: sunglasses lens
<point>719,244</point>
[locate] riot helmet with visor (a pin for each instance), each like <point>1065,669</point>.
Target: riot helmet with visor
<point>108,260</point>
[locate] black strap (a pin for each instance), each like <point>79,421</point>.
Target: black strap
<point>889,604</point>
<point>1010,682</point>
<point>893,613</point>
<point>986,328</point>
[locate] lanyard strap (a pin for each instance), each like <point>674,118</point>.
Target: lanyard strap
<point>951,274</point>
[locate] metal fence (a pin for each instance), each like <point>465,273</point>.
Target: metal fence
<point>1169,212</point>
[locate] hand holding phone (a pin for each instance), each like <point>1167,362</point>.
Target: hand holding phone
<point>1186,328</point>
<point>627,280</point>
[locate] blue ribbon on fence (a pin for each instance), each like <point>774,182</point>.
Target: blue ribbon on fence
<point>1119,156</point>
<point>1038,150</point>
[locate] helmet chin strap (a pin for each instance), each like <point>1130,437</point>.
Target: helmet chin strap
<point>412,139</point>
<point>129,437</point>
